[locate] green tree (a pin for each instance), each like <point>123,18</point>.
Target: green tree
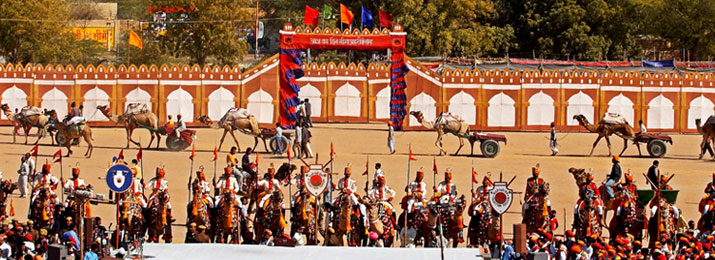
<point>36,32</point>
<point>211,30</point>
<point>685,24</point>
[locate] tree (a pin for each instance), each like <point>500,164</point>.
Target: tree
<point>36,32</point>
<point>208,30</point>
<point>685,24</point>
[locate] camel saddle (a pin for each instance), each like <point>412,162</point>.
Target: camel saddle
<point>446,118</point>
<point>76,129</point>
<point>30,111</point>
<point>235,113</point>
<point>136,108</point>
<point>614,119</point>
<point>710,121</point>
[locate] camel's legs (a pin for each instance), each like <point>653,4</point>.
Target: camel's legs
<point>702,147</point>
<point>471,143</point>
<point>150,140</point>
<point>158,140</point>
<point>638,145</point>
<point>14,132</point>
<point>90,146</point>
<point>235,140</point>
<point>40,133</point>
<point>438,143</point>
<point>461,143</point>
<point>625,146</point>
<point>131,132</point>
<point>27,133</point>
<point>608,141</point>
<point>68,144</point>
<point>222,137</point>
<point>594,144</point>
<point>129,135</point>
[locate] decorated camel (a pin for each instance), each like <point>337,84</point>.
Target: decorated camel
<point>234,119</point>
<point>443,124</point>
<point>27,118</point>
<point>609,125</point>
<point>707,131</point>
<point>70,132</point>
<point>136,116</point>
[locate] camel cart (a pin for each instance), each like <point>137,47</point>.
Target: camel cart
<point>270,134</point>
<point>656,143</point>
<point>488,143</point>
<point>174,142</point>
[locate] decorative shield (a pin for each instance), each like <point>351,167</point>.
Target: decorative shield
<point>500,197</point>
<point>316,180</point>
<point>119,178</point>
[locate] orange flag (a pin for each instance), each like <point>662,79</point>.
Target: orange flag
<point>134,40</point>
<point>412,156</point>
<point>257,157</point>
<point>215,153</point>
<point>193,151</point>
<point>288,150</point>
<point>332,149</point>
<point>346,16</point>
<point>58,156</point>
<point>474,176</point>
<point>12,209</point>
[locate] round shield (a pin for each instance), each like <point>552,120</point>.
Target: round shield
<point>119,178</point>
<point>316,180</point>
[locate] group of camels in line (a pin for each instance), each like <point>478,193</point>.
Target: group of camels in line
<point>445,123</point>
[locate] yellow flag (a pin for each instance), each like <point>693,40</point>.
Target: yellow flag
<point>134,40</point>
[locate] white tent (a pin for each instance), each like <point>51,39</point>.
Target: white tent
<point>701,107</point>
<point>541,109</point>
<point>660,113</point>
<point>462,104</point>
<point>424,103</point>
<point>313,95</point>
<point>501,111</point>
<point>220,101</point>
<point>382,103</point>
<point>579,104</point>
<point>623,106</point>
<point>260,103</point>
<point>138,95</point>
<point>15,98</point>
<point>57,100</point>
<point>93,98</point>
<point>180,102</point>
<point>347,101</point>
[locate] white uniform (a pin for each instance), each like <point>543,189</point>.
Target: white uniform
<point>447,190</point>
<point>268,186</point>
<point>418,189</point>
<point>180,126</point>
<point>205,190</point>
<point>382,194</point>
<point>23,172</point>
<point>391,139</point>
<point>157,184</point>
<point>45,179</point>
<point>227,185</point>
<point>349,186</point>
<point>73,184</point>
<point>138,189</point>
<point>379,173</point>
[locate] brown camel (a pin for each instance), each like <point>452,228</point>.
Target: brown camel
<point>71,132</point>
<point>605,130</point>
<point>707,131</point>
<point>133,121</point>
<point>27,122</point>
<point>443,124</point>
<point>247,125</point>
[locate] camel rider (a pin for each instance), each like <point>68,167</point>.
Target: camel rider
<point>378,173</point>
<point>246,162</point>
<point>73,183</point>
<point>138,185</point>
<point>382,193</point>
<point>231,157</point>
<point>416,191</point>
<point>180,125</point>
<point>44,179</point>
<point>348,187</point>
<point>614,177</point>
<point>204,189</point>
<point>629,187</point>
<point>228,184</point>
<point>170,123</point>
<point>299,183</point>
<point>446,191</point>
<point>709,198</point>
<point>673,209</point>
<point>533,184</point>
<point>268,185</point>
<point>589,188</point>
<point>75,116</point>
<point>483,190</point>
<point>159,184</point>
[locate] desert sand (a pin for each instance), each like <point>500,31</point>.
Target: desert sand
<point>354,143</point>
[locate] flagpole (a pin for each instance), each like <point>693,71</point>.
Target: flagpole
<point>34,169</point>
<point>330,186</point>
<point>191,173</point>
<point>367,173</point>
<point>407,216</point>
<point>434,174</point>
<point>61,175</point>
<point>290,191</point>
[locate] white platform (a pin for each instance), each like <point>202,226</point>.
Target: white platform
<point>221,251</point>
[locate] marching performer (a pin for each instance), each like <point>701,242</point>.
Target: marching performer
<point>446,189</point>
<point>45,179</point>
<point>382,193</point>
<point>159,184</point>
<point>138,186</point>
<point>415,192</point>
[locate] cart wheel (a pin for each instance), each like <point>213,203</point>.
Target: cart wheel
<point>657,148</point>
<point>274,145</point>
<point>60,139</point>
<point>175,144</point>
<point>490,148</point>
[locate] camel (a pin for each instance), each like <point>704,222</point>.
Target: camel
<point>27,122</point>
<point>133,121</point>
<point>443,124</point>
<point>71,132</point>
<point>247,124</point>
<point>606,129</point>
<point>707,131</point>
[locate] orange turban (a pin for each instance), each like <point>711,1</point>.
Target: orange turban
<point>227,170</point>
<point>75,171</point>
<point>160,172</point>
<point>448,174</point>
<point>535,171</point>
<point>304,169</point>
<point>420,174</point>
<point>271,171</point>
<point>348,170</point>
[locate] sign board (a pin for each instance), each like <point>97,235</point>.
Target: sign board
<point>316,180</point>
<point>500,197</point>
<point>119,178</point>
<point>261,30</point>
<point>98,34</point>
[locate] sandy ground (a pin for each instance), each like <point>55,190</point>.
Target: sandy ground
<point>354,143</point>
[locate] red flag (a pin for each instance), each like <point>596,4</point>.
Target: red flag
<point>193,151</point>
<point>139,154</point>
<point>33,152</point>
<point>288,150</point>
<point>58,156</point>
<point>215,153</point>
<point>332,149</point>
<point>346,16</point>
<point>434,165</point>
<point>474,177</point>
<point>311,16</point>
<point>385,19</point>
<point>367,166</point>
<point>121,154</point>
<point>412,156</point>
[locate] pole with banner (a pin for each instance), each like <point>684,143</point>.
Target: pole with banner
<point>410,158</point>
<point>191,171</point>
<point>140,158</point>
<point>33,172</point>
<point>57,157</point>
<point>215,159</point>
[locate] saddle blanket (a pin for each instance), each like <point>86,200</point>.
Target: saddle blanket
<point>235,113</point>
<point>710,121</point>
<point>30,111</point>
<point>614,119</point>
<point>447,117</point>
<point>136,108</point>
<point>75,121</point>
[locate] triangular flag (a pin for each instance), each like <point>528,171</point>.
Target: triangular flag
<point>57,156</point>
<point>474,177</point>
<point>121,154</point>
<point>311,16</point>
<point>215,154</point>
<point>346,16</point>
<point>366,16</point>
<point>12,209</point>
<point>193,151</point>
<point>139,154</point>
<point>412,156</point>
<point>367,167</point>
<point>332,149</point>
<point>257,157</point>
<point>385,19</point>
<point>434,165</point>
<point>33,152</point>
<point>288,150</point>
<point>134,40</point>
